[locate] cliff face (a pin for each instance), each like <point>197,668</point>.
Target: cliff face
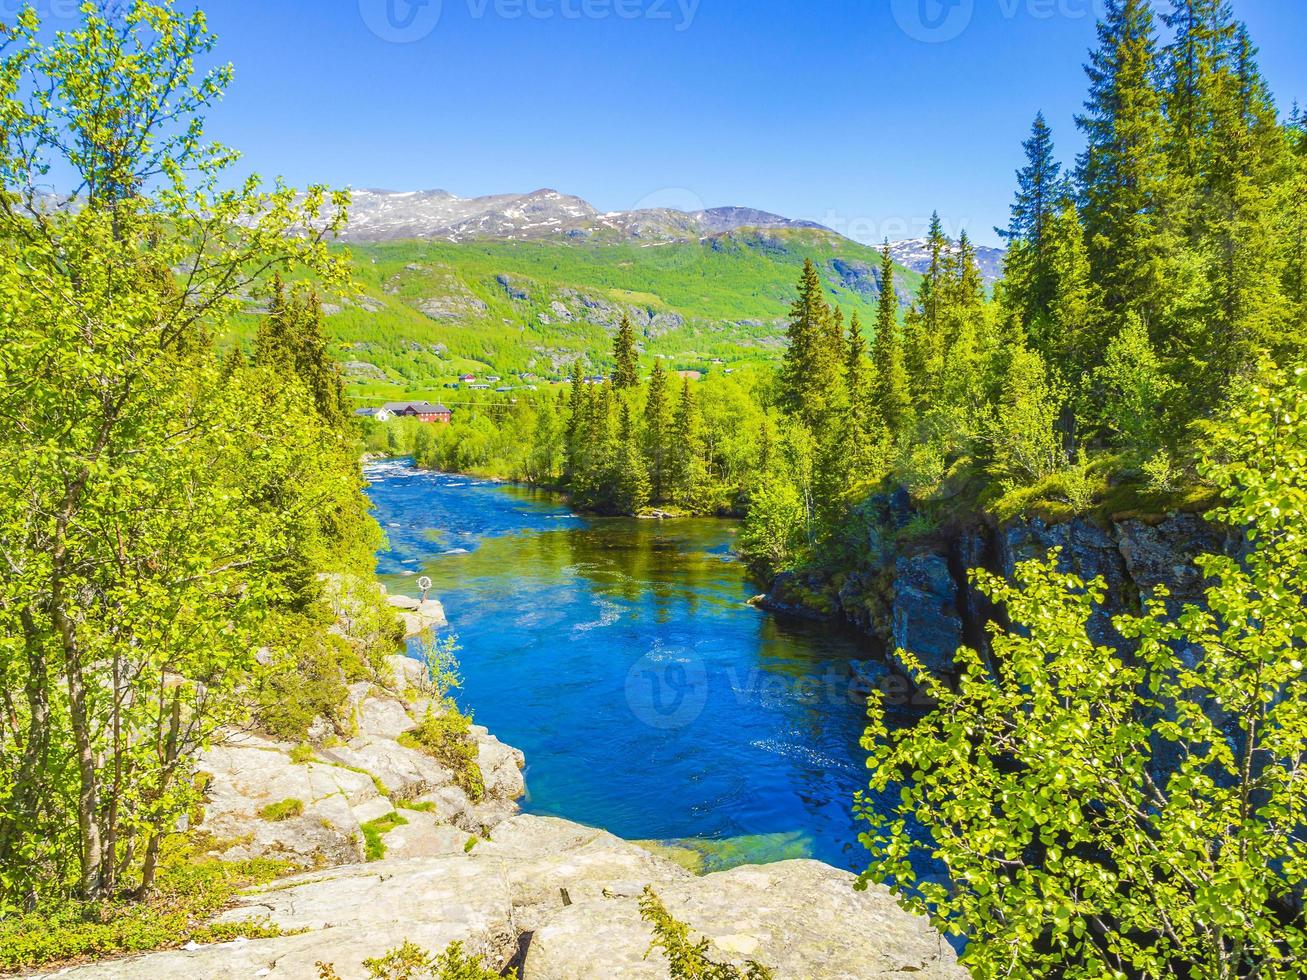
<point>918,596</point>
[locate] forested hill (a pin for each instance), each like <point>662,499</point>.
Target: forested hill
<point>431,310</point>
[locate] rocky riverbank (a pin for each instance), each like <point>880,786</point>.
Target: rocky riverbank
<point>915,592</point>
<point>537,897</point>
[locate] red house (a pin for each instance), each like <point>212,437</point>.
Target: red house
<point>422,411</point>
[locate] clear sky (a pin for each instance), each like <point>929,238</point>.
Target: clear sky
<point>861,114</point>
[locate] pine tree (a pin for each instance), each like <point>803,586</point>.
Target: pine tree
<point>1202,31</point>
<point>1041,191</point>
<point>591,484</point>
<point>891,394</point>
<point>924,332</point>
<point>656,432</point>
<point>687,474</point>
<point>627,372</point>
<point>856,381</point>
<point>1067,335</point>
<point>1122,173</point>
<point>811,366</point>
<point>291,343</point>
<point>629,479</point>
<point>1238,221</point>
<point>576,423</point>
<point>1293,222</point>
<point>932,283</point>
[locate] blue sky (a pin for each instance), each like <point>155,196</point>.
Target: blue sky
<point>856,113</point>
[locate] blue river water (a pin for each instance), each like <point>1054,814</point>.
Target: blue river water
<point>623,658</point>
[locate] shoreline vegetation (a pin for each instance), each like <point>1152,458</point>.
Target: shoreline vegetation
<point>187,550</point>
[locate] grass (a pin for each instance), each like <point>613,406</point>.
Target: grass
<point>285,810</point>
<point>427,807</point>
<point>374,847</point>
<point>189,893</point>
<point>718,300</point>
<point>302,754</point>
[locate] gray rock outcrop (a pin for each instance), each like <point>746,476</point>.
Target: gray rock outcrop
<point>568,897</point>
<point>536,897</point>
<point>927,617</point>
<point>918,596</point>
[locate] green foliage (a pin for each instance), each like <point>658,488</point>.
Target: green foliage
<point>187,893</point>
<point>164,508</point>
<point>160,505</point>
<point>626,370</point>
<point>445,734</point>
<point>1025,444</point>
<point>686,959</point>
<point>411,962</point>
<point>1134,390</point>
<point>775,531</point>
<point>374,846</point>
<point>302,754</point>
<point>1132,812</point>
<point>284,810</point>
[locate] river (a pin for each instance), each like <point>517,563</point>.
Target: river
<point>623,658</point>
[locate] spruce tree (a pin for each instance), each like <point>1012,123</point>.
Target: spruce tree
<point>932,283</point>
<point>1041,190</point>
<point>657,432</point>
<point>271,343</point>
<point>576,422</point>
<point>1069,336</point>
<point>629,479</point>
<point>291,343</point>
<point>687,474</point>
<point>626,374</point>
<point>856,381</point>
<point>924,332</point>
<point>891,394</point>
<point>1122,173</point>
<point>810,368</point>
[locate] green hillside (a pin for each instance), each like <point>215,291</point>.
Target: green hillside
<point>430,311</point>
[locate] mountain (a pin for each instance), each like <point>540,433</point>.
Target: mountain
<point>524,284</point>
<point>429,310</point>
<point>914,254</point>
<point>384,216</point>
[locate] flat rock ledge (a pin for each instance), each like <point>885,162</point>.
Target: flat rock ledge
<point>537,897</point>
<point>418,615</point>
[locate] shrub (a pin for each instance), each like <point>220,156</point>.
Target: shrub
<point>1131,810</point>
<point>411,962</point>
<point>689,960</point>
<point>447,738</point>
<point>188,892</point>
